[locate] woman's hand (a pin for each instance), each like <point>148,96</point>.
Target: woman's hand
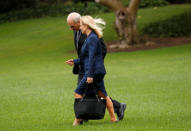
<point>70,62</point>
<point>89,80</point>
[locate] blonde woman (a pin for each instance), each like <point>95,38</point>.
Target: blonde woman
<point>91,62</point>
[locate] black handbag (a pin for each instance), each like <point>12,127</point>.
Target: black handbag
<point>91,108</point>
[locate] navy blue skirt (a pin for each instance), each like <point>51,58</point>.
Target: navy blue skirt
<point>98,84</point>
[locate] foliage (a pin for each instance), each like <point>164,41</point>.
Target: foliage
<point>40,8</point>
<point>179,1</point>
<point>148,3</point>
<point>13,5</point>
<point>8,5</point>
<point>76,1</point>
<point>173,27</point>
<point>58,10</point>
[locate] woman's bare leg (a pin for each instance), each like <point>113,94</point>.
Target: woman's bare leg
<point>109,106</point>
<point>77,121</point>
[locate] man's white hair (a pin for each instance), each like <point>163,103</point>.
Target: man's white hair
<point>74,16</point>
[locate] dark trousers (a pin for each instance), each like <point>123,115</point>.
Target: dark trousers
<point>116,104</point>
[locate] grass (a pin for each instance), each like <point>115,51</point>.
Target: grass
<point>36,86</point>
<point>155,85</point>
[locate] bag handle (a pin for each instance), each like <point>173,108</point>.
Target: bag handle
<point>93,90</point>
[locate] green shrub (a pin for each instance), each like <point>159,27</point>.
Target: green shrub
<point>53,11</point>
<point>148,3</point>
<point>178,1</point>
<point>173,27</point>
<point>93,8</point>
<point>64,9</point>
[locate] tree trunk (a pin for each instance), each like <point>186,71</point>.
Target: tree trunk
<point>125,21</point>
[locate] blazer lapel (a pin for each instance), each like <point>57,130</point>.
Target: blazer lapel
<point>75,39</point>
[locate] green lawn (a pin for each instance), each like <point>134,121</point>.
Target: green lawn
<point>36,86</point>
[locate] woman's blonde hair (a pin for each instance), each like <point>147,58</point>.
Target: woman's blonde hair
<point>96,24</point>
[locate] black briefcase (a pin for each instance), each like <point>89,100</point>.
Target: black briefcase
<point>91,108</point>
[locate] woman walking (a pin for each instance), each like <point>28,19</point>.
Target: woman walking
<point>91,62</point>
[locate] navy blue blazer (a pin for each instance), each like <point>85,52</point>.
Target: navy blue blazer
<point>90,58</point>
<point>78,42</point>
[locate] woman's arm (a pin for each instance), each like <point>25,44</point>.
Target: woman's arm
<point>71,62</point>
<point>92,49</point>
<point>76,61</point>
